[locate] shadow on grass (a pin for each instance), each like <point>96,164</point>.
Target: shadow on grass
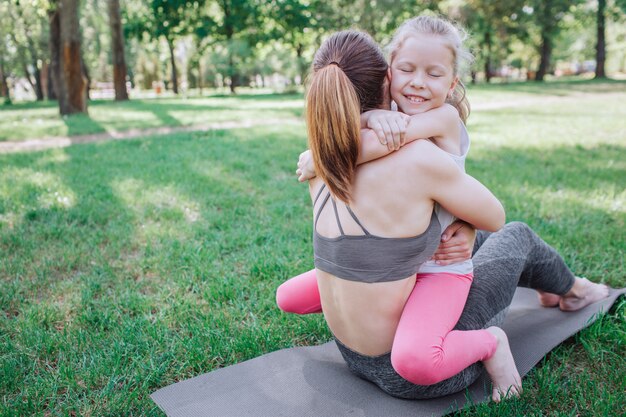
<point>80,124</point>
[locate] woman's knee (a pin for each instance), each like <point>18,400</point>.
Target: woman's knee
<point>518,228</point>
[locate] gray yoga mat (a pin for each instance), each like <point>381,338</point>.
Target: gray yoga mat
<point>314,381</point>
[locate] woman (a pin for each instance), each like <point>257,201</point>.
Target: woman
<point>382,210</point>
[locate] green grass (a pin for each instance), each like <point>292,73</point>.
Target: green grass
<point>30,120</point>
<point>129,265</point>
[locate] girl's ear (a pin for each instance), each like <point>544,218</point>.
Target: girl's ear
<point>389,74</point>
<point>453,86</point>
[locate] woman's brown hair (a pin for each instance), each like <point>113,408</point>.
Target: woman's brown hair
<point>347,79</point>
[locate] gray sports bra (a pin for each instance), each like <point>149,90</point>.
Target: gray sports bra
<point>369,258</point>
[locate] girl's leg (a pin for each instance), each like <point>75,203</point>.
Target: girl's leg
<point>502,260</point>
<point>300,294</point>
<point>425,349</point>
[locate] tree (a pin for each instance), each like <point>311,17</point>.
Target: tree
<point>167,19</point>
<point>5,57</point>
<point>547,16</point>
<point>238,26</point>
<point>26,28</point>
<point>4,86</point>
<point>67,64</point>
<point>117,48</point>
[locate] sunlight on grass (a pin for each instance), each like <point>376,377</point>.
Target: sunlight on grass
<point>54,156</point>
<point>160,211</point>
<point>610,199</point>
<point>23,190</point>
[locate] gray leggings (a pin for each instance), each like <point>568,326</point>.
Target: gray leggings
<point>514,256</point>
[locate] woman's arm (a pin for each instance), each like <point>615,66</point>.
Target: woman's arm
<point>457,192</point>
<point>370,150</point>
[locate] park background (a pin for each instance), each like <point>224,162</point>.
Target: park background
<point>149,206</point>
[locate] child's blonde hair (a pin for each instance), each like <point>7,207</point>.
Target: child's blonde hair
<point>430,25</point>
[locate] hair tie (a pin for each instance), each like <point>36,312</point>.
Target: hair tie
<point>334,63</point>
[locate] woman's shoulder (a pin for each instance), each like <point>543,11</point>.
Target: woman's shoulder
<point>423,157</point>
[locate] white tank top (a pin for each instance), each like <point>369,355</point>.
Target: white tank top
<point>445,218</point>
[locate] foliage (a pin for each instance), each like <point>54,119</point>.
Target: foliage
<point>219,43</point>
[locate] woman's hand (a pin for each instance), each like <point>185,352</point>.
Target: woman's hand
<point>457,243</point>
<point>306,167</point>
<point>389,126</point>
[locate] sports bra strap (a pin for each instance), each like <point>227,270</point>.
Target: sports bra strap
<point>357,220</point>
<point>337,215</point>
<point>319,193</point>
<point>317,216</point>
<point>321,207</point>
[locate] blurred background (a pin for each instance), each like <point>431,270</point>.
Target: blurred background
<point>76,50</point>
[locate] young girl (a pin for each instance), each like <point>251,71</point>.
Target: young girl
<point>426,54</point>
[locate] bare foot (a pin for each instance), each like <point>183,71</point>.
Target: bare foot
<point>583,293</point>
<point>547,299</point>
<point>501,368</point>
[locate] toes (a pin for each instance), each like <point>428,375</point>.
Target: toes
<point>495,395</point>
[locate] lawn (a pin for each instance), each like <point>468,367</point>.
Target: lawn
<point>129,265</point>
<point>36,120</point>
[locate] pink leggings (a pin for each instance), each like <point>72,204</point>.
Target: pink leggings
<point>425,348</point>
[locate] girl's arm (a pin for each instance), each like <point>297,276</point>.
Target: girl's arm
<point>439,124</point>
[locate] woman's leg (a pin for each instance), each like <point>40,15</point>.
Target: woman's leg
<point>425,349</point>
<point>516,256</point>
<point>300,294</point>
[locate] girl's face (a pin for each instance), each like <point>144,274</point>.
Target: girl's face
<point>422,74</point>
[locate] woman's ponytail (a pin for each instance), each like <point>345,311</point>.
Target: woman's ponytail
<point>333,126</point>
<point>347,77</point>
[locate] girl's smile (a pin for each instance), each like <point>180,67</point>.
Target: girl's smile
<point>422,74</point>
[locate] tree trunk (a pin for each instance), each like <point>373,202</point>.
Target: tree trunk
<point>85,69</point>
<point>55,58</point>
<point>73,80</point>
<point>487,40</point>
<point>52,95</point>
<point>170,44</point>
<point>302,66</point>
<point>117,46</point>
<point>4,86</point>
<point>546,52</point>
<point>234,77</point>
<point>601,45</point>
<point>547,23</point>
<point>37,69</point>
<point>200,76</point>
<point>38,86</point>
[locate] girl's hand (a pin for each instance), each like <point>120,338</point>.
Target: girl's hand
<point>306,167</point>
<point>389,126</point>
<point>457,243</point>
